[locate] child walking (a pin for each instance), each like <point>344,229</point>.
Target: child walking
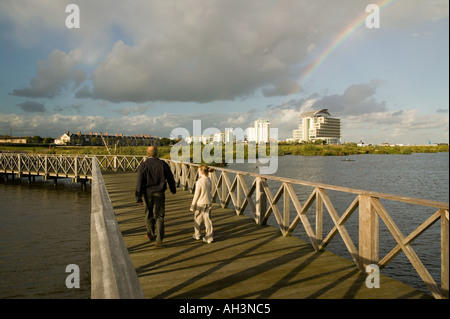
<point>201,204</point>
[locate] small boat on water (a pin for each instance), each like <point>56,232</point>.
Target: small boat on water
<point>347,160</point>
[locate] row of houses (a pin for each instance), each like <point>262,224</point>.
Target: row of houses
<point>12,140</point>
<point>99,139</point>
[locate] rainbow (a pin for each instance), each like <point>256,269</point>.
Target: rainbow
<point>341,37</point>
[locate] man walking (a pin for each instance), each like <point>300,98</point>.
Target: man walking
<point>151,184</point>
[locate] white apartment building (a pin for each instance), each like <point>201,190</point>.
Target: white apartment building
<point>228,136</point>
<point>204,139</point>
<point>260,133</point>
<point>318,125</point>
<point>251,134</point>
<point>218,138</point>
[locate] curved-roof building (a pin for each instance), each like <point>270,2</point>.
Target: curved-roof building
<point>318,125</point>
<point>322,112</point>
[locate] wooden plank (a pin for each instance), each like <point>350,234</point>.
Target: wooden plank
<point>244,261</point>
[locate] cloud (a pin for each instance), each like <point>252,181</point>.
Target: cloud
<point>153,72</point>
<point>396,127</point>
<point>390,126</point>
<point>32,107</point>
<point>191,50</point>
<point>32,23</point>
<point>138,109</point>
<point>357,99</point>
<point>208,51</point>
<point>54,74</point>
<point>201,51</point>
<point>410,119</point>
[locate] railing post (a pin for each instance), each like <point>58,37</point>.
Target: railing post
<point>319,219</point>
<point>177,173</point>
<point>238,195</point>
<point>444,252</point>
<point>75,173</point>
<point>286,209</point>
<point>19,167</point>
<point>261,200</point>
<point>46,166</point>
<point>192,172</point>
<point>183,176</point>
<point>223,190</point>
<point>368,233</point>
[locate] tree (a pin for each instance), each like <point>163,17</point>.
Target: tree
<point>164,141</point>
<point>35,139</point>
<point>48,140</point>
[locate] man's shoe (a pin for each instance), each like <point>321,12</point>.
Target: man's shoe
<point>196,237</point>
<point>158,244</point>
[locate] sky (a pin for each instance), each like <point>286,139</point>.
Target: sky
<point>149,67</point>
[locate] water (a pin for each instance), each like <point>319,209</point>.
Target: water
<point>416,175</point>
<point>43,229</point>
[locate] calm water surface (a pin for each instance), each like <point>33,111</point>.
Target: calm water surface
<point>43,229</point>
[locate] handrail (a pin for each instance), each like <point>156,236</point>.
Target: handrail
<point>112,272</point>
<point>78,167</point>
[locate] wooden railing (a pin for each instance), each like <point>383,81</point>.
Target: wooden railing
<point>64,166</point>
<point>230,186</point>
<point>243,190</point>
<point>112,273</point>
<point>58,166</point>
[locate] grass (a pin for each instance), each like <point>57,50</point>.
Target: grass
<point>283,149</point>
<point>351,149</point>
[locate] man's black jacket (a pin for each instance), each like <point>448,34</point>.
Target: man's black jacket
<point>152,177</point>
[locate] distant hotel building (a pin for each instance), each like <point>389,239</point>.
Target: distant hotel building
<point>318,125</point>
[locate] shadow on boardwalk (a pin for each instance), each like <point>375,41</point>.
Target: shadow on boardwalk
<point>244,261</point>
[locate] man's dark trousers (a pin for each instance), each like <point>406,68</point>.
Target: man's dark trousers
<point>154,215</point>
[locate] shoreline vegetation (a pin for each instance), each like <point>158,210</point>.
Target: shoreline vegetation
<point>283,149</point>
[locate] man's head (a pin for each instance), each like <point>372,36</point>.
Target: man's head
<point>152,151</point>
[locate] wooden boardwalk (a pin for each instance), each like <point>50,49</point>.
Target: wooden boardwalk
<point>244,261</point>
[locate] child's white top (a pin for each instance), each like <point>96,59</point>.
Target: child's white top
<point>202,194</point>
